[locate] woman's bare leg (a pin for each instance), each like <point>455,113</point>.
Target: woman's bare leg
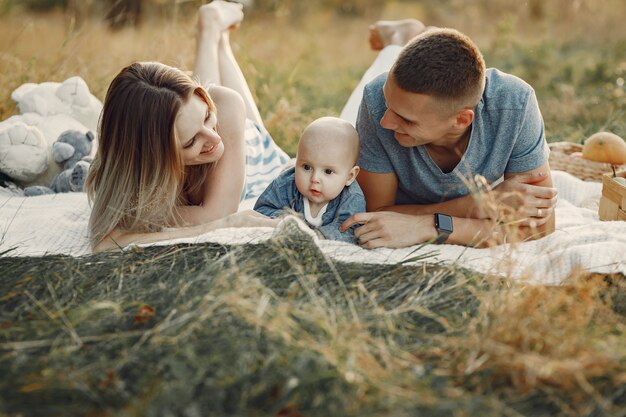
<point>215,62</point>
<point>213,19</point>
<point>232,77</point>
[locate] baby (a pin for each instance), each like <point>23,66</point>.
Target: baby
<point>322,184</point>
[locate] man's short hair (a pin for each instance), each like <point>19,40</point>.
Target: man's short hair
<point>443,63</point>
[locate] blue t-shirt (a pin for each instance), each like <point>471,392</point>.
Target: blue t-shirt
<point>282,194</point>
<point>507,135</point>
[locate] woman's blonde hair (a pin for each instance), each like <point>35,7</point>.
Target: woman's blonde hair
<point>138,178</point>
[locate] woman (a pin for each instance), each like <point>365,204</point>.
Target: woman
<point>175,159</point>
<point>171,160</point>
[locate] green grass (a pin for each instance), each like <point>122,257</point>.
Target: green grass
<point>276,328</point>
<point>262,329</point>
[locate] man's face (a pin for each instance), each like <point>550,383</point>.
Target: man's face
<point>416,119</point>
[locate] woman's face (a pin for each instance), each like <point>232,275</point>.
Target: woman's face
<point>196,133</point>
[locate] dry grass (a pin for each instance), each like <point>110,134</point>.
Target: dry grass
<point>572,52</point>
<point>553,339</point>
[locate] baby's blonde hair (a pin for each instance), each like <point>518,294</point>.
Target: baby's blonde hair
<point>335,129</point>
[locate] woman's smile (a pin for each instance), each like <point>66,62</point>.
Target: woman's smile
<point>209,151</point>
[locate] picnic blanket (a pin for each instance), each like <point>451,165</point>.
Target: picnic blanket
<point>57,224</point>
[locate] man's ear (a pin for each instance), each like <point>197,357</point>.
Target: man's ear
<point>464,118</point>
<point>353,173</point>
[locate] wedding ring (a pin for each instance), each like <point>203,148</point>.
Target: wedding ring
<point>539,213</point>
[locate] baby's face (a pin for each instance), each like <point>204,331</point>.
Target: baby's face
<point>323,169</point>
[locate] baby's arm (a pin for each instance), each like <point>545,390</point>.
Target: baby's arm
<point>353,203</point>
<point>272,201</point>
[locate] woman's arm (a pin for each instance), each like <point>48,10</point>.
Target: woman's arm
<point>224,183</point>
<point>119,239</point>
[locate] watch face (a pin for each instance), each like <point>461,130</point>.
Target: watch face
<point>444,222</point>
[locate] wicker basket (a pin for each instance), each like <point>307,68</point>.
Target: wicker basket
<point>561,159</point>
<point>613,200</point>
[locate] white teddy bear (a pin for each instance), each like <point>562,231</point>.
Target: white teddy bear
<point>71,97</point>
<point>48,109</point>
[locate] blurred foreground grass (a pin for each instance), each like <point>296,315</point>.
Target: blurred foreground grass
<point>277,329</point>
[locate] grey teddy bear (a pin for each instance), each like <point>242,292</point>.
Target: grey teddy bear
<point>72,150</point>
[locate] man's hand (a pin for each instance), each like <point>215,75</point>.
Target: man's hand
<point>520,199</point>
<point>390,229</point>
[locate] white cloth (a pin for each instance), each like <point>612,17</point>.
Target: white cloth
<point>57,224</point>
<point>264,159</point>
<point>308,216</point>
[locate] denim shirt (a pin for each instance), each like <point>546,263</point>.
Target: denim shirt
<point>282,194</point>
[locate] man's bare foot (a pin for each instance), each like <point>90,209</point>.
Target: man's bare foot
<point>219,15</point>
<point>394,32</point>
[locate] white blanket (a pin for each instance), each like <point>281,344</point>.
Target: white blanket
<point>57,224</point>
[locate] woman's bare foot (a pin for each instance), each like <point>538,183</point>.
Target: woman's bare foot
<point>394,32</point>
<point>219,15</point>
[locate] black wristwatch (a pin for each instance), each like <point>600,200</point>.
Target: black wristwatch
<point>443,224</point>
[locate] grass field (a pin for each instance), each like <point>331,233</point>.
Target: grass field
<point>276,329</point>
<point>574,55</point>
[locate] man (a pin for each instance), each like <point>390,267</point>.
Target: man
<point>451,152</point>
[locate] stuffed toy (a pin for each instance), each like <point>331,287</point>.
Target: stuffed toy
<point>71,151</point>
<point>49,109</point>
<point>71,97</point>
<point>23,152</point>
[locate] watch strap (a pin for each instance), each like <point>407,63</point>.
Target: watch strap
<point>442,237</point>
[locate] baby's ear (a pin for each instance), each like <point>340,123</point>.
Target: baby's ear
<point>353,173</point>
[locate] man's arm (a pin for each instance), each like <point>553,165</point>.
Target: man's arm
<point>402,225</point>
<point>520,208</point>
<point>379,189</point>
<point>380,195</point>
<point>397,230</point>
<point>531,190</point>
